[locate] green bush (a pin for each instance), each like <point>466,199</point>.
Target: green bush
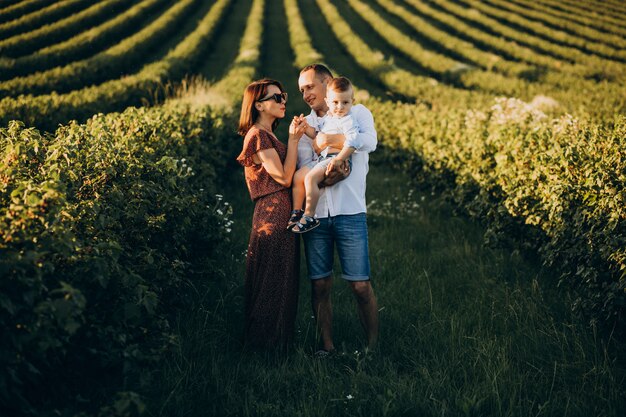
<point>105,228</point>
<point>556,185</point>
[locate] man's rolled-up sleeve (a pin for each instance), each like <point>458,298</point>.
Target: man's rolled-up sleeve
<point>367,138</point>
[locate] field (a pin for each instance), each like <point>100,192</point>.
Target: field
<point>496,207</point>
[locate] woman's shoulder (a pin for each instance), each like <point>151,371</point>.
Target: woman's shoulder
<point>258,133</point>
<point>255,140</point>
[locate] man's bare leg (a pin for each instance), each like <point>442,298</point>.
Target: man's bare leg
<point>323,310</point>
<point>367,307</point>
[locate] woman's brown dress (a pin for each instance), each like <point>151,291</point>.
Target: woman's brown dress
<point>272,263</point>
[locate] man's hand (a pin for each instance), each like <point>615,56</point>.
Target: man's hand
<point>337,164</point>
<point>337,170</point>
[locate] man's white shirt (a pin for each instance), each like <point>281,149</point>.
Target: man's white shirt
<point>347,196</point>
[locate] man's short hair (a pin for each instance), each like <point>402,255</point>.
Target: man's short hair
<point>340,84</point>
<point>321,71</point>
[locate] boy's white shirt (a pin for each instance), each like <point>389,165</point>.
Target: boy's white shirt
<point>346,125</point>
<point>347,196</point>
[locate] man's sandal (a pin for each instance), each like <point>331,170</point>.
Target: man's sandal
<point>296,215</point>
<point>310,223</point>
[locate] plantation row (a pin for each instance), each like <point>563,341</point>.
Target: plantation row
<point>46,111</point>
<point>38,18</point>
<point>484,73</point>
<point>118,59</point>
<point>589,28</point>
<point>604,10</point>
<point>602,43</point>
<point>556,185</point>
<point>81,45</point>
<point>458,19</point>
<point>58,31</point>
<point>451,70</point>
<point>13,9</point>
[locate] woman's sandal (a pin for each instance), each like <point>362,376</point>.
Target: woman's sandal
<point>296,215</point>
<point>310,223</point>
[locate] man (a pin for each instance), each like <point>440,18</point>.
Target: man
<point>341,211</point>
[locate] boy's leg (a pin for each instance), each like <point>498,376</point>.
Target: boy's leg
<point>298,191</point>
<point>311,183</point>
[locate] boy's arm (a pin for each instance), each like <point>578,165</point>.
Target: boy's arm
<point>345,153</point>
<point>364,141</point>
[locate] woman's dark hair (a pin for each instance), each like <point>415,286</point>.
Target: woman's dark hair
<point>255,91</point>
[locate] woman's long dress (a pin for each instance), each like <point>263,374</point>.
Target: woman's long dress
<point>272,263</point>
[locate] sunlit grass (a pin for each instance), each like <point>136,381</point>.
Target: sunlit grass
<point>465,330</point>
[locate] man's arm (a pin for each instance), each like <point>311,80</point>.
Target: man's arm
<point>366,139</point>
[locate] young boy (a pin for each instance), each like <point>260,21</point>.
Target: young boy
<point>338,120</point>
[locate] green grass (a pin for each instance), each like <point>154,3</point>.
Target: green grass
<point>465,330</point>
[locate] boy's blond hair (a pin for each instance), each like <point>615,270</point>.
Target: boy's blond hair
<point>340,84</point>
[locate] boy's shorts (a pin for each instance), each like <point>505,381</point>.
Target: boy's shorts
<point>349,232</point>
<point>324,161</point>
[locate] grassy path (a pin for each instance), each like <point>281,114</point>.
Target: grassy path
<point>466,330</point>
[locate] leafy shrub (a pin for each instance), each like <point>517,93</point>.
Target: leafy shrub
<point>556,185</point>
<point>104,229</point>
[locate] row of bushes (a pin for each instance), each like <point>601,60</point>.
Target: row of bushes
<point>546,71</point>
<point>595,67</point>
<point>580,36</point>
<point>442,66</point>
<point>460,47</point>
<point>30,21</point>
<point>105,230</point>
<point>117,60</point>
<point>612,13</point>
<point>397,80</point>
<point>52,33</point>
<point>85,44</point>
<point>554,185</point>
<point>570,16</point>
<point>47,111</point>
<point>17,8</point>
<point>572,47</point>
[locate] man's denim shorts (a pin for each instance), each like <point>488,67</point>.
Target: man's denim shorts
<point>349,232</point>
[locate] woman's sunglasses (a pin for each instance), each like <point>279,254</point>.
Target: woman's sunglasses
<point>278,98</point>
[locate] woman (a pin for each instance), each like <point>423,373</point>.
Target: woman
<point>272,267</point>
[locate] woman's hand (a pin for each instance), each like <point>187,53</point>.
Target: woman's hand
<point>297,127</point>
